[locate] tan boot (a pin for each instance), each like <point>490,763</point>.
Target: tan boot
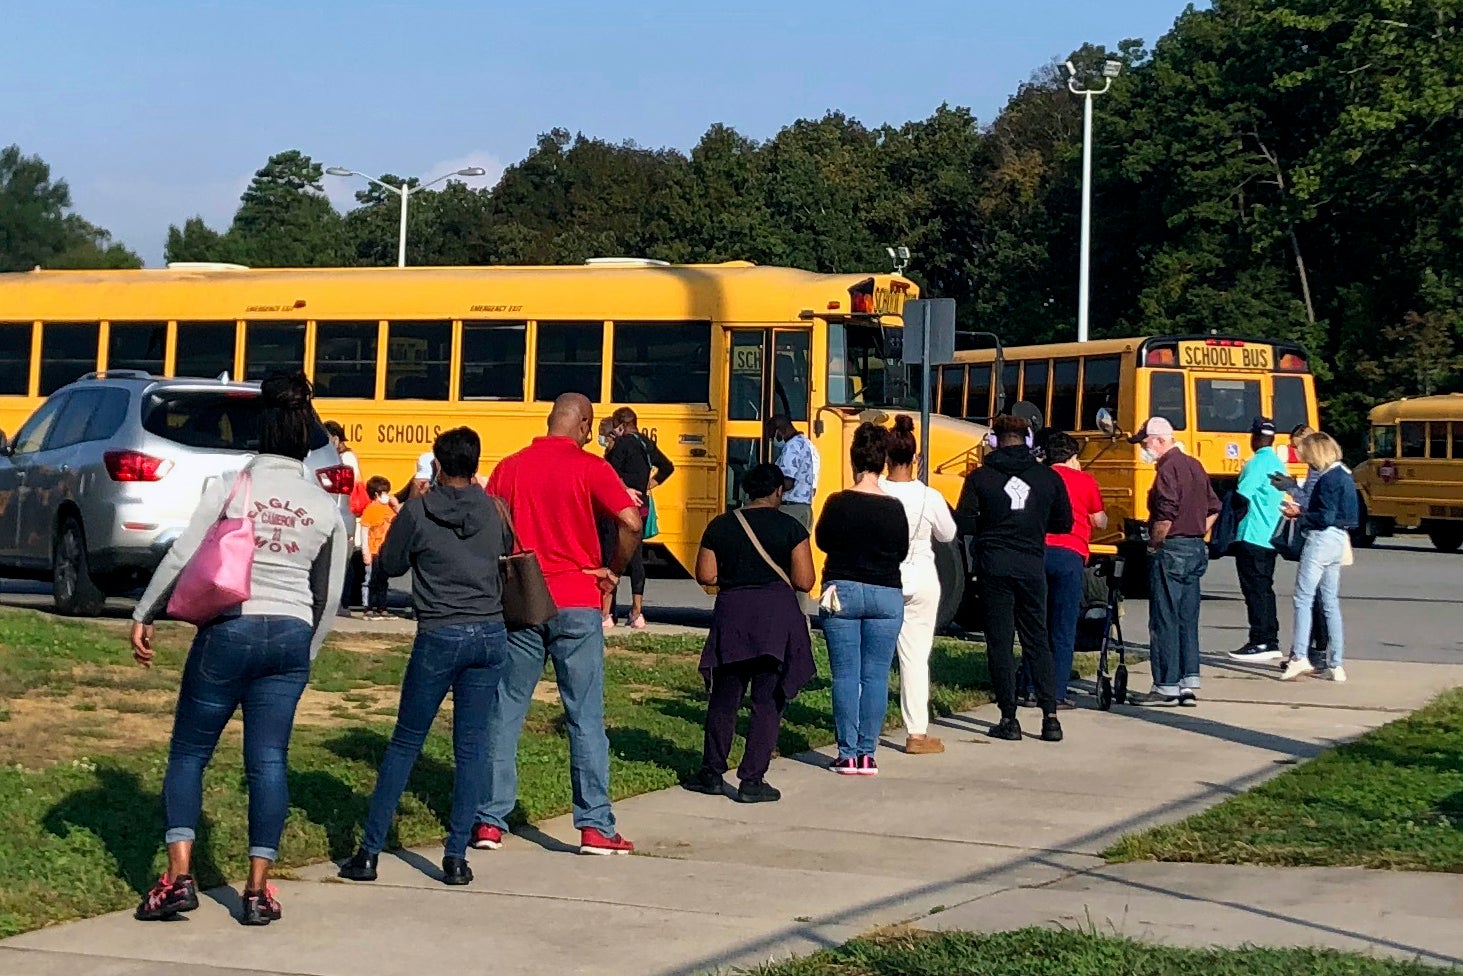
<point>923,745</point>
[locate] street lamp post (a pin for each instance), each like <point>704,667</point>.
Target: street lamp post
<point>405,190</point>
<point>1110,70</point>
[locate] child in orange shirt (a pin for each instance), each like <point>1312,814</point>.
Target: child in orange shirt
<point>376,519</point>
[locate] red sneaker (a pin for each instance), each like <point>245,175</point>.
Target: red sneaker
<point>592,841</point>
<point>486,837</point>
<point>867,766</point>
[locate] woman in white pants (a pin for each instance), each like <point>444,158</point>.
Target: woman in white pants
<point>929,519</point>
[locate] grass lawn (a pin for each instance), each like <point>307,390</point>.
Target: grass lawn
<point>1391,799</point>
<point>1039,952</point>
<point>83,746</point>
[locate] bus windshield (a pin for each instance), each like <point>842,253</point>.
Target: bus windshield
<point>863,370</point>
<point>1227,406</point>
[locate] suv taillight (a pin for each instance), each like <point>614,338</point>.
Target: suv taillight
<point>135,466</point>
<point>338,480</point>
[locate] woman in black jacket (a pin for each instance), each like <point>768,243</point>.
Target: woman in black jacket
<point>642,467</point>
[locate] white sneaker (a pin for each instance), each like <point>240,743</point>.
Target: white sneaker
<point>1336,674</point>
<point>1298,667</point>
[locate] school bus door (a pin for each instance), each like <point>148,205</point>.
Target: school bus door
<point>767,375</point>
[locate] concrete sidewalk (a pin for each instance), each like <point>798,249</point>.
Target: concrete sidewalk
<point>988,836</point>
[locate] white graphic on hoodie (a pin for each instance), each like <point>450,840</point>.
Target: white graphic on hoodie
<point>1018,491</point>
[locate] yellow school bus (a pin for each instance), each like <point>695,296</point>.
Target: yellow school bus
<point>1413,477</point>
<point>1209,387</point>
<point>705,354</point>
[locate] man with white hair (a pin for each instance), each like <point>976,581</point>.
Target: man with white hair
<point>1182,508</point>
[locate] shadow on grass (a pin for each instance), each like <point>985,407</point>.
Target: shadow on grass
<point>790,739</point>
<point>110,810</point>
<point>638,745</point>
<point>342,812</point>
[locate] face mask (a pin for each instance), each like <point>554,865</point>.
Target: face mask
<point>604,441</point>
<point>1148,456</point>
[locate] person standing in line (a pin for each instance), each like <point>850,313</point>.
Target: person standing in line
<point>864,534</point>
<point>1182,508</point>
<point>258,658</point>
<point>450,540</point>
<point>1300,491</point>
<point>1331,511</point>
<point>554,490</point>
<point>643,468</point>
<point>1009,505</point>
<point>355,574</point>
<point>1254,552</point>
<point>376,520</point>
<point>929,521</point>
<point>759,560</point>
<point>800,462</point>
<point>1066,557</point>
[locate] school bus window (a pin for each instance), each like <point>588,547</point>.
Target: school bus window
<point>345,359</point>
<point>952,391</point>
<point>1290,403</point>
<point>1166,399</point>
<point>273,346</point>
<point>1100,378</point>
<point>1414,438</point>
<point>418,358</point>
<point>1010,386</point>
<point>68,352</point>
<point>493,354</point>
<point>1457,440</point>
<point>1034,382</point>
<point>1227,406</point>
<point>568,360</point>
<point>15,353</point>
<point>1064,395</point>
<point>661,362</point>
<point>1437,439</point>
<point>978,392</point>
<point>790,370</point>
<point>137,345</point>
<point>1384,441</point>
<point>204,349</point>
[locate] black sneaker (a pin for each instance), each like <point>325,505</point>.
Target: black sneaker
<point>455,871</point>
<point>706,781</point>
<point>1152,698</point>
<point>1255,653</point>
<point>261,907</point>
<point>1051,729</point>
<point>1188,698</point>
<point>1008,729</point>
<point>361,866</point>
<point>169,897</point>
<point>758,792</point>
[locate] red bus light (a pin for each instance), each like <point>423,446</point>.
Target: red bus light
<point>1292,362</point>
<point>135,466</point>
<point>861,302</point>
<point>1161,357</point>
<point>337,480</point>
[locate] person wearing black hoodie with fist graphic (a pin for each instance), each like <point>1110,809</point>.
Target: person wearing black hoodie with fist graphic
<point>1008,506</point>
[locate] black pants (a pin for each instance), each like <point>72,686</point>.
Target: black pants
<point>355,579</point>
<point>1256,568</point>
<point>609,540</point>
<point>1017,604</point>
<point>728,684</point>
<point>378,588</point>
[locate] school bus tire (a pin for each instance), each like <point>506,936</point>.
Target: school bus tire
<point>953,574</point>
<point>1445,536</point>
<point>1135,570</point>
<point>1364,536</point>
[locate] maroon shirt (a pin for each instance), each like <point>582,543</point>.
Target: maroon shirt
<point>1182,494</point>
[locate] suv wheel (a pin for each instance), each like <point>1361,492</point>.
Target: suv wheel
<point>75,592</point>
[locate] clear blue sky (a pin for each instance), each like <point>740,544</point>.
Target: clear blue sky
<point>155,110</point>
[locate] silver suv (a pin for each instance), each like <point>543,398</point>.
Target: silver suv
<point>101,479</point>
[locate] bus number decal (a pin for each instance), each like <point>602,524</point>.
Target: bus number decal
<point>407,433</point>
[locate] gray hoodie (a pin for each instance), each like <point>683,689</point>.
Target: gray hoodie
<point>450,539</point>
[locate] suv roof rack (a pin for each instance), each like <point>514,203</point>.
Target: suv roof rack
<point>628,262</point>
<point>118,374</point>
<point>206,266</point>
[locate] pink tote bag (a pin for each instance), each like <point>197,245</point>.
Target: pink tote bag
<point>217,578</point>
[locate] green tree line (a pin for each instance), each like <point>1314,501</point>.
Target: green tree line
<point>1282,168</point>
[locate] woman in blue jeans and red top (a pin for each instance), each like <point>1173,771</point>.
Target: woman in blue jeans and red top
<point>864,534</point>
<point>258,657</point>
<point>450,540</point>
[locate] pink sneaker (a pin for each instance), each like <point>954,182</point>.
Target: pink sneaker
<point>608,623</point>
<point>637,622</point>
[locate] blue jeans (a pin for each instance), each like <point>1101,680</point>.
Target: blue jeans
<point>1174,573</point>
<point>575,642</point>
<point>862,637</point>
<point>1064,589</point>
<point>1319,573</point>
<point>470,660</point>
<point>261,663</point>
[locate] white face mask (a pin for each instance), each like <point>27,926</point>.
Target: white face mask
<point>604,441</point>
<point>1148,456</point>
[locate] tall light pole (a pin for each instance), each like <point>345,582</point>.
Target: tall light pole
<point>1110,70</point>
<point>405,190</point>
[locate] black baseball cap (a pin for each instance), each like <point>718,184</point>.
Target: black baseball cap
<point>1263,426</point>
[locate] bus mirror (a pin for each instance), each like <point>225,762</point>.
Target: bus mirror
<point>1106,422</point>
<point>818,427</point>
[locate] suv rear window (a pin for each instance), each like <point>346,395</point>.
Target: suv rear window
<point>222,420</point>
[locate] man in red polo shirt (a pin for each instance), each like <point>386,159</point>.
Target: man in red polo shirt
<point>555,490</point>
